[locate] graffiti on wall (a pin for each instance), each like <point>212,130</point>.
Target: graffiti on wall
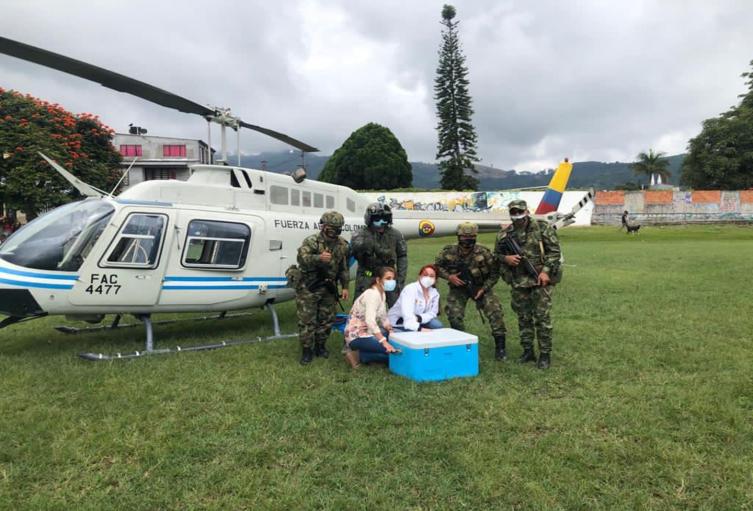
<point>476,202</point>
<point>700,206</point>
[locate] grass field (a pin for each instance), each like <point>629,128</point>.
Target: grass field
<point>648,404</point>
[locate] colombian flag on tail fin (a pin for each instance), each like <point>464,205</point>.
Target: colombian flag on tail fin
<point>551,200</point>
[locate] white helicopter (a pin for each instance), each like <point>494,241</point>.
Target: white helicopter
<point>220,241</point>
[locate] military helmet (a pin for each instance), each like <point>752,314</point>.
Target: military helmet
<point>518,204</point>
<point>467,229</point>
<point>377,210</point>
<point>333,218</point>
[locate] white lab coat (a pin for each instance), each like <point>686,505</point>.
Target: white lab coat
<point>411,303</point>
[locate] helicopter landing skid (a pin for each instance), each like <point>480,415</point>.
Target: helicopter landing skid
<point>149,347</point>
<point>115,325</point>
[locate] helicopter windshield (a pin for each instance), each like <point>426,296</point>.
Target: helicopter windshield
<point>60,239</point>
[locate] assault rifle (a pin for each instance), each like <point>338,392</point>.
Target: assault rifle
<point>324,281</point>
<point>510,246</point>
<point>462,271</point>
<point>464,274</point>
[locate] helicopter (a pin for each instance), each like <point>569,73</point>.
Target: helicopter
<point>220,241</point>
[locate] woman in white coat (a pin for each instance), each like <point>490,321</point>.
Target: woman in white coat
<point>417,307</point>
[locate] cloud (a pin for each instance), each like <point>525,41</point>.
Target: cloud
<point>590,80</point>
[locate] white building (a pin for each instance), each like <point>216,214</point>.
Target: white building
<point>158,157</point>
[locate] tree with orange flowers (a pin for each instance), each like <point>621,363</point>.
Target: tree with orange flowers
<point>80,143</point>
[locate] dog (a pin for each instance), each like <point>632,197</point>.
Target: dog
<point>632,228</point>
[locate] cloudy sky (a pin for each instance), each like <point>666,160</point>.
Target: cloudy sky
<point>592,80</point>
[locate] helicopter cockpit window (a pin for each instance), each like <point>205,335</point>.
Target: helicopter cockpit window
<point>211,244</point>
<point>278,195</point>
<point>61,239</point>
<point>139,242</point>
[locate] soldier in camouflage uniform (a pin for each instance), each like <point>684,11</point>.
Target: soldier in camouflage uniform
<point>531,296</point>
<point>377,246</point>
<point>323,263</point>
<point>472,271</point>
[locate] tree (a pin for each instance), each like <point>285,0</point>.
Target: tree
<point>80,143</point>
<point>721,156</point>
<point>371,158</point>
<point>653,165</point>
<point>456,145</point>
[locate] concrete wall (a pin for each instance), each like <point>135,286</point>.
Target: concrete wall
<point>673,207</point>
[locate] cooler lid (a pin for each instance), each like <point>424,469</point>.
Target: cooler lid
<point>434,338</point>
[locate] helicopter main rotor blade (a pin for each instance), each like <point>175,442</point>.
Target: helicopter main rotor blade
<point>280,136</point>
<point>122,83</point>
<point>109,79</point>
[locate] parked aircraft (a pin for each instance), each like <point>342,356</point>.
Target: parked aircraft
<point>220,241</point>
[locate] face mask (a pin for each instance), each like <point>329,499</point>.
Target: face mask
<point>427,282</point>
<point>332,232</point>
<point>467,243</point>
<point>379,223</point>
<point>518,217</point>
<point>390,285</point>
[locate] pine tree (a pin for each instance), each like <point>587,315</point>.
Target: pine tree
<point>456,145</point>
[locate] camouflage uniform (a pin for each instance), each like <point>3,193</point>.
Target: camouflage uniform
<point>317,292</point>
<point>373,249</point>
<point>479,270</point>
<point>532,303</point>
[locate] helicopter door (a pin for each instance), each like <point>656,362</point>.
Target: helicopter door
<point>129,270</point>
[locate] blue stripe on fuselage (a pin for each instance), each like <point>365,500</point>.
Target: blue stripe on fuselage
<point>51,276</point>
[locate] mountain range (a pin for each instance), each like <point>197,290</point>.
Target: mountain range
<point>586,174</point>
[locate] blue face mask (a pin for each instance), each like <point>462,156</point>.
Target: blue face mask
<point>379,223</point>
<point>390,285</point>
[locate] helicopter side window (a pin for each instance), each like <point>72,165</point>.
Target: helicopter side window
<point>295,197</point>
<point>351,205</point>
<point>139,242</point>
<point>306,199</point>
<point>211,244</point>
<point>330,202</point>
<point>318,200</point>
<point>278,195</point>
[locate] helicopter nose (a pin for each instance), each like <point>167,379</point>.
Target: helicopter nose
<point>18,302</point>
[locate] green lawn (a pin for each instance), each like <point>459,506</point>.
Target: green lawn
<point>648,404</point>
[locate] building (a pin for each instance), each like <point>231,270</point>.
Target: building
<point>158,157</point>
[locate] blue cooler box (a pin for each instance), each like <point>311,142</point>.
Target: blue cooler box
<point>435,355</point>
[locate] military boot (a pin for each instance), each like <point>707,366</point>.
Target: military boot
<point>320,350</point>
<point>499,348</point>
<point>307,356</point>
<point>527,356</point>
<point>544,361</point>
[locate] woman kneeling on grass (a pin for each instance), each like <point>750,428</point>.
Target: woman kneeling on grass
<point>368,327</point>
<point>417,307</point>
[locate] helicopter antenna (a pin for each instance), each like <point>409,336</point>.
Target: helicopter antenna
<point>209,139</point>
<point>122,178</point>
